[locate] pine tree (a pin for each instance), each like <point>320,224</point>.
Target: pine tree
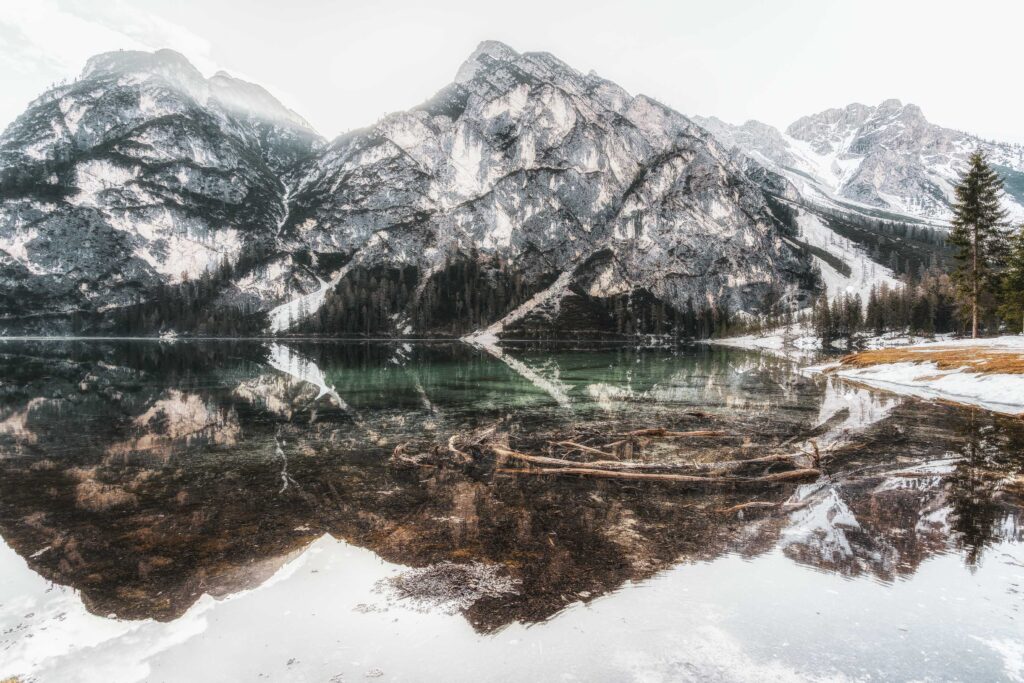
<point>977,234</point>
<point>1012,294</point>
<point>873,317</point>
<point>822,321</point>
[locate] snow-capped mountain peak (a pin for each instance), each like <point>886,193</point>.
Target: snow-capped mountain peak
<point>173,70</point>
<point>139,173</point>
<point>887,157</point>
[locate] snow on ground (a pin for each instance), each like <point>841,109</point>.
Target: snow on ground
<point>896,339</point>
<point>998,392</point>
<point>864,273</point>
<point>1003,393</point>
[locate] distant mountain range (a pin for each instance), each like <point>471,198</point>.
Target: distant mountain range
<point>885,157</point>
<point>524,199</point>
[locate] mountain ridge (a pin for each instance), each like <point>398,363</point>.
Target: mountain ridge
<point>523,198</point>
<point>887,156</point>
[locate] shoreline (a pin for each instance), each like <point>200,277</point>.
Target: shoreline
<point>939,369</point>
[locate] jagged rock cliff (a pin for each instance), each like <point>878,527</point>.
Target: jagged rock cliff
<point>522,186</point>
<point>140,173</point>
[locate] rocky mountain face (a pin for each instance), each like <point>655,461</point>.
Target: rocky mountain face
<point>553,178</point>
<point>887,157</point>
<point>524,195</point>
<point>140,174</point>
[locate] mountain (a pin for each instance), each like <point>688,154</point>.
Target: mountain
<point>524,197</point>
<point>545,177</point>
<point>140,174</point>
<point>887,157</point>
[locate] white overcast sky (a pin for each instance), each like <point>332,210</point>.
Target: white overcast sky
<point>343,65</point>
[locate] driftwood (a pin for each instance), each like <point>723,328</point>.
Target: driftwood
<point>461,455</point>
<point>754,504</point>
<point>400,459</point>
<point>793,475</point>
<point>620,466</point>
<point>504,453</point>
<point>736,464</point>
<point>572,445</point>
<point>616,460</point>
<point>661,432</point>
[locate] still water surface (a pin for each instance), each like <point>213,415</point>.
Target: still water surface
<point>225,511</point>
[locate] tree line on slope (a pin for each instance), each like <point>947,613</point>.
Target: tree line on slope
<point>971,281</point>
<point>981,289</point>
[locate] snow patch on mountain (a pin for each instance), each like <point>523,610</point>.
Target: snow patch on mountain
<point>868,158</point>
<point>290,313</point>
<point>16,243</point>
<point>267,281</point>
<point>96,176</point>
<point>550,295</point>
<point>864,275</point>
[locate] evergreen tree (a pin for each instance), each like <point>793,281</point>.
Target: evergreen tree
<point>978,234</point>
<point>1012,308</point>
<point>824,326</point>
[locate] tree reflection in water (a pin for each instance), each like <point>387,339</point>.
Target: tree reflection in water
<point>985,486</point>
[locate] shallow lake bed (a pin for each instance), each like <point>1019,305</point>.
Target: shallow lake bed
<point>225,511</point>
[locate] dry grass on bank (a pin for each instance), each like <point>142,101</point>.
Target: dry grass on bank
<point>970,359</point>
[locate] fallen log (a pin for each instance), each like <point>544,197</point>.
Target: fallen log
<point>503,452</point>
<point>794,475</point>
<point>580,447</point>
<point>723,466</point>
<point>610,465</point>
<point>754,504</point>
<point>791,475</point>
<point>400,459</point>
<point>661,432</point>
<point>620,466</point>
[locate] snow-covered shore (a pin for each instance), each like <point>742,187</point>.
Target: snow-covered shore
<point>952,370</point>
<point>957,379</point>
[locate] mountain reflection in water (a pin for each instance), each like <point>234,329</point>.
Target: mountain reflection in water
<point>147,474</point>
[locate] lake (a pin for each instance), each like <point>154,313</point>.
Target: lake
<point>238,510</point>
